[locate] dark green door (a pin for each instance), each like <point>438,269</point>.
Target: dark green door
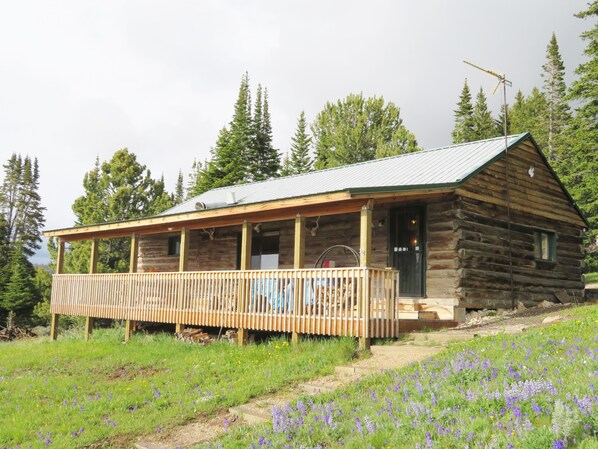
<point>407,249</point>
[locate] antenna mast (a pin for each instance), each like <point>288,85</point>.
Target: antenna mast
<point>502,79</point>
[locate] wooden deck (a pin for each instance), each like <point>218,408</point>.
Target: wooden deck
<point>359,302</point>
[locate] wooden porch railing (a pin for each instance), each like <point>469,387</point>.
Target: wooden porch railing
<point>360,302</point>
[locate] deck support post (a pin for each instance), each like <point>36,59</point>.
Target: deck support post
<point>242,336</point>
<point>93,268</point>
<point>298,263</point>
<point>365,236</point>
<point>364,344</point>
<point>59,269</point>
<point>129,324</point>
<point>133,260</point>
<point>93,258</point>
<point>183,266</point>
<point>245,264</point>
<point>88,327</point>
<point>365,257</point>
<point>54,326</point>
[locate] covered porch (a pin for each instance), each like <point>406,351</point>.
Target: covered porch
<point>359,299</point>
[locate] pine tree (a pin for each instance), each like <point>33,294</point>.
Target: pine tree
<point>286,169</point>
<point>358,129</point>
<point>579,167</point>
<point>255,172</point>
<point>179,190</point>
<point>268,154</point>
<point>159,199</point>
<point>299,160</point>
<point>4,252</point>
<point>463,131</point>
<point>230,157</point>
<point>196,184</point>
<point>20,203</point>
<point>236,161</point>
<point>557,109</point>
<point>19,292</point>
<point>223,169</point>
<point>264,159</point>
<point>116,190</point>
<point>499,122</point>
<point>529,115</point>
<point>483,123</point>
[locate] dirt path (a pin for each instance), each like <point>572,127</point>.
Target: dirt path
<point>415,348</point>
<point>260,409</point>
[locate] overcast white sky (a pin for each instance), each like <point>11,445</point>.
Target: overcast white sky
<point>81,79</point>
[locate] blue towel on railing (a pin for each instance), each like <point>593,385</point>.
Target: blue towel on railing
<point>269,289</point>
<point>279,294</point>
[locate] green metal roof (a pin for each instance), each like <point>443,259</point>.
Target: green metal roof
<point>429,169</point>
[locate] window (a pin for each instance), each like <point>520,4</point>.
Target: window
<point>174,245</point>
<point>264,251</point>
<point>545,245</point>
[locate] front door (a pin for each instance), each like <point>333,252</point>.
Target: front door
<point>407,249</point>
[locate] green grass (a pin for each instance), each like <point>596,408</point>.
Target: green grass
<point>103,393</point>
<point>591,277</point>
<point>535,390</point>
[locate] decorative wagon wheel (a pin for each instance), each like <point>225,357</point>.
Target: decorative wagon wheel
<point>337,296</point>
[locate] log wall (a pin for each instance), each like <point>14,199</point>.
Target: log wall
<point>220,253</point>
<point>537,202</point>
<point>441,252</point>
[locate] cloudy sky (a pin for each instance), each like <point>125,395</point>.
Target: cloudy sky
<point>80,79</point>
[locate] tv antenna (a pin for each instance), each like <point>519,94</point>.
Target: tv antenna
<point>502,79</point>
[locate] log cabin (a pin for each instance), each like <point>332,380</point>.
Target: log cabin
<point>353,250</point>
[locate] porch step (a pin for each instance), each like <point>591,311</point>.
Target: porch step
<point>252,413</point>
<point>316,388</point>
<point>439,337</point>
<point>417,314</point>
<point>353,371</point>
<point>142,445</point>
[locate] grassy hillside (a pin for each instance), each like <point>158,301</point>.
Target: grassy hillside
<point>102,393</point>
<point>535,390</point>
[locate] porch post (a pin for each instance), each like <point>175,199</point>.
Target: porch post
<point>246,231</point>
<point>183,266</point>
<point>93,268</point>
<point>133,260</point>
<point>298,263</point>
<point>365,257</point>
<point>59,270</point>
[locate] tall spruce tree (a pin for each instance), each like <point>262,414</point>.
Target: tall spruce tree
<point>299,160</point>
<point>579,168</point>
<point>20,203</point>
<point>179,190</point>
<point>239,139</point>
<point>230,156</point>
<point>196,183</point>
<point>243,151</point>
<point>463,130</point>
<point>358,129</point>
<point>483,123</point>
<point>4,252</point>
<point>264,159</point>
<point>19,292</point>
<point>528,114</point>
<point>558,113</point>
